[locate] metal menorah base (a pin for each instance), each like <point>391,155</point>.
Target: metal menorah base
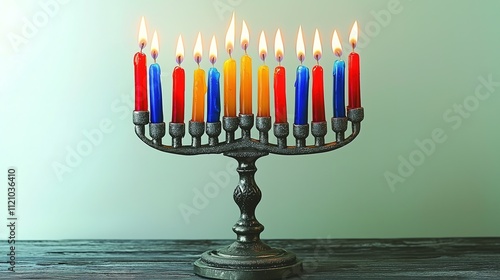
<point>248,257</point>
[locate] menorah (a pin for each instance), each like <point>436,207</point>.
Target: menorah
<point>248,257</point>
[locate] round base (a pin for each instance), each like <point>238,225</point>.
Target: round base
<point>261,265</point>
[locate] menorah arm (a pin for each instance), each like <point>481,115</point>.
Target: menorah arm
<point>354,116</point>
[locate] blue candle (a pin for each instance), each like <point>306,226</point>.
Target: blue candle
<point>213,98</point>
<point>338,89</point>
<point>338,79</point>
<point>301,95</point>
<point>155,93</point>
<point>301,83</point>
<point>156,107</point>
<point>213,94</point>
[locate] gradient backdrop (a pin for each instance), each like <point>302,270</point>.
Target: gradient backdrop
<point>425,165</point>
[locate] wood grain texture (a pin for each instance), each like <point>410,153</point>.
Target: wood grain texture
<point>445,258</point>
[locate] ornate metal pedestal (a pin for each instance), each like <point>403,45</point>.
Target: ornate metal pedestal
<point>248,257</point>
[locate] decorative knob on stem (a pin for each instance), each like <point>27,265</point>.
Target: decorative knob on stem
<point>213,132</point>
<point>263,124</point>
<point>300,132</point>
<point>177,132</point>
<point>230,124</point>
<point>246,124</point>
<point>281,132</point>
<point>318,130</point>
<point>157,131</point>
<point>140,118</point>
<point>339,126</point>
<point>196,130</point>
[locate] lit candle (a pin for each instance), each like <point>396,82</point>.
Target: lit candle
<point>213,98</point>
<point>230,75</point>
<point>140,71</point>
<point>279,81</point>
<point>301,83</point>
<point>199,85</point>
<point>178,85</point>
<point>263,80</point>
<point>318,98</point>
<point>155,84</point>
<point>338,79</point>
<point>353,64</point>
<point>245,75</point>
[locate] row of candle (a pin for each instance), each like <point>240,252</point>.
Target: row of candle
<point>229,71</point>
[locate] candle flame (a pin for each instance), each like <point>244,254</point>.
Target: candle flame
<point>213,51</point>
<point>230,37</point>
<point>317,46</point>
<point>143,35</point>
<point>279,51</point>
<point>336,46</point>
<point>179,52</point>
<point>155,46</point>
<point>245,37</point>
<point>262,46</point>
<point>301,49</point>
<point>353,37</point>
<point>198,49</point>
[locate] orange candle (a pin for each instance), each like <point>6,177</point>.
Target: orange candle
<point>230,75</point>
<point>245,75</point>
<point>263,80</point>
<point>199,85</point>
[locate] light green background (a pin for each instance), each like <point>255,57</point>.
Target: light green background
<point>75,71</point>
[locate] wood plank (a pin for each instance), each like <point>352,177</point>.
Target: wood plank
<point>323,258</point>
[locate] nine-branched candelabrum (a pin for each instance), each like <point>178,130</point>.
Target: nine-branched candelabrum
<point>248,257</point>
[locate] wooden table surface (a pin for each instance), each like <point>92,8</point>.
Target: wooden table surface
<point>444,258</point>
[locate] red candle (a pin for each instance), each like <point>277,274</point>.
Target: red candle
<point>178,86</point>
<point>140,72</point>
<point>279,82</point>
<point>318,96</point>
<point>353,68</point>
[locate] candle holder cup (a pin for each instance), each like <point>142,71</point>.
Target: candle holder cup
<point>248,257</point>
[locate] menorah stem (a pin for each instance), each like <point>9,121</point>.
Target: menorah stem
<point>248,257</point>
<point>247,195</point>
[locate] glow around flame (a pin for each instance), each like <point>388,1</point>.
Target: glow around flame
<point>213,51</point>
<point>143,35</point>
<point>317,46</point>
<point>262,46</point>
<point>230,37</point>
<point>353,37</point>
<point>336,46</point>
<point>244,36</point>
<point>179,52</point>
<point>155,46</point>
<point>301,49</point>
<point>279,51</point>
<point>198,49</point>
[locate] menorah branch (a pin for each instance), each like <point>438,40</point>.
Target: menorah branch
<point>245,122</point>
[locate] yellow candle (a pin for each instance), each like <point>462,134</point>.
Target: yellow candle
<point>245,75</point>
<point>230,75</point>
<point>263,109</point>
<point>230,88</point>
<point>263,80</point>
<point>199,85</point>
